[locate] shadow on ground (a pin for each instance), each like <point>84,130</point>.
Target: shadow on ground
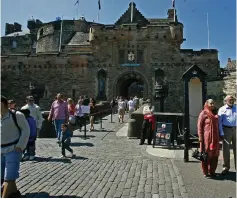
<point>83,137</point>
<point>46,195</point>
<point>51,159</point>
<point>231,176</point>
<point>102,130</point>
<point>82,144</point>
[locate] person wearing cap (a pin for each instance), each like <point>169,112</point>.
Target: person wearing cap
<point>34,111</point>
<point>14,138</point>
<point>227,130</point>
<point>148,123</point>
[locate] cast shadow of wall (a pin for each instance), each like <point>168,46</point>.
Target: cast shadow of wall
<point>47,195</point>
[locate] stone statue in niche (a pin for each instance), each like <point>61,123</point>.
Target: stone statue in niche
<point>101,80</point>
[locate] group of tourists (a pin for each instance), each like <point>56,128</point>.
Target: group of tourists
<point>122,105</point>
<point>18,136</point>
<point>20,127</point>
<point>215,127</point>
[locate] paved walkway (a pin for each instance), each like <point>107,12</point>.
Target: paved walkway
<point>105,166</point>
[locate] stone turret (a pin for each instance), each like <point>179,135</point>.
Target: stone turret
<point>11,28</point>
<point>34,25</point>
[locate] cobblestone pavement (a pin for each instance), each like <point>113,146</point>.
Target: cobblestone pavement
<point>105,166</point>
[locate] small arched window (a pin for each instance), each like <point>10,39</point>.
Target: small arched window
<point>101,75</point>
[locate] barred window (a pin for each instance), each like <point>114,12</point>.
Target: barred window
<point>121,56</point>
<point>140,56</point>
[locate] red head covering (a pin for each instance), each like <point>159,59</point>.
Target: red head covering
<point>214,135</point>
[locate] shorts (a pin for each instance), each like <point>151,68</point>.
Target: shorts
<point>121,111</point>
<point>10,165</point>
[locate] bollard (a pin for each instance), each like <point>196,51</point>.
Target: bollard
<point>111,115</point>
<point>101,121</point>
<point>186,144</point>
<point>85,128</point>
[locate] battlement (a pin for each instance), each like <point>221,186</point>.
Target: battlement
<point>204,54</point>
<point>11,28</point>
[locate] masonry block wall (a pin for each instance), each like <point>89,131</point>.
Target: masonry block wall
<point>88,47</point>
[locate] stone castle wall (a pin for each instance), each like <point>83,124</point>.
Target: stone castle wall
<point>217,90</point>
<point>63,73</point>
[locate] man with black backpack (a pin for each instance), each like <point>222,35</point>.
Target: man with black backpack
<point>15,133</point>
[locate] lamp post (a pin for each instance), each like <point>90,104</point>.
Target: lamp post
<point>161,93</point>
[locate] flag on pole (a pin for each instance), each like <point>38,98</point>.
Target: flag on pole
<point>77,2</point>
<point>61,32</point>
<point>99,4</point>
<point>173,3</point>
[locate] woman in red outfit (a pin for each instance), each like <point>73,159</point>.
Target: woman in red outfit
<point>71,106</point>
<point>209,138</point>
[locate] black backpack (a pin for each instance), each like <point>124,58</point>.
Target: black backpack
<point>13,114</point>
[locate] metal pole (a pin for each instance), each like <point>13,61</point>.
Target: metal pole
<point>208,33</point>
<point>162,104</point>
<point>100,121</point>
<point>111,115</point>
<point>85,127</point>
<point>186,143</point>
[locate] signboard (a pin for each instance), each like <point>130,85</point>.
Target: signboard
<point>131,65</point>
<point>162,133</point>
<point>85,109</point>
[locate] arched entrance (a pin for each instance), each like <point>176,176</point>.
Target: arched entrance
<point>130,84</point>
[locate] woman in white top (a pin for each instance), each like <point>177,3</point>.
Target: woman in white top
<point>121,109</point>
<point>131,106</point>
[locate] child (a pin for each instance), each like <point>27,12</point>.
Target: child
<point>29,152</point>
<point>65,140</point>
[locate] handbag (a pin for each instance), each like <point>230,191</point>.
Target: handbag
<point>72,119</point>
<point>201,156</point>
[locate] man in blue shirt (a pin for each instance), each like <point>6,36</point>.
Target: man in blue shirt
<point>227,129</point>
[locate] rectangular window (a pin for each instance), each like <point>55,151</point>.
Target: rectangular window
<point>121,56</point>
<point>73,93</point>
<point>140,56</point>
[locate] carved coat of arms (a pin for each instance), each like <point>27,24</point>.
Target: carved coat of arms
<point>131,56</point>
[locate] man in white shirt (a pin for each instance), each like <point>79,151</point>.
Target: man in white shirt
<point>131,106</point>
<point>227,130</point>
<point>147,123</point>
<point>15,132</point>
<point>136,102</point>
<point>34,111</point>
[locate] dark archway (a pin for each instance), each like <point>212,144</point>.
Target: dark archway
<point>131,83</point>
<point>132,87</point>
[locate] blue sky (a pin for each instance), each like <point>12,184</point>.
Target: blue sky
<point>192,13</point>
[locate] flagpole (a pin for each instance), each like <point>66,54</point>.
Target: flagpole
<point>98,16</point>
<point>208,33</point>
<point>61,32</point>
<point>173,2</point>
<point>78,10</point>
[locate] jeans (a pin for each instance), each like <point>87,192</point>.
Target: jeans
<point>57,125</point>
<point>30,149</point>
<point>146,131</point>
<point>10,165</point>
<point>80,121</point>
<point>66,146</point>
